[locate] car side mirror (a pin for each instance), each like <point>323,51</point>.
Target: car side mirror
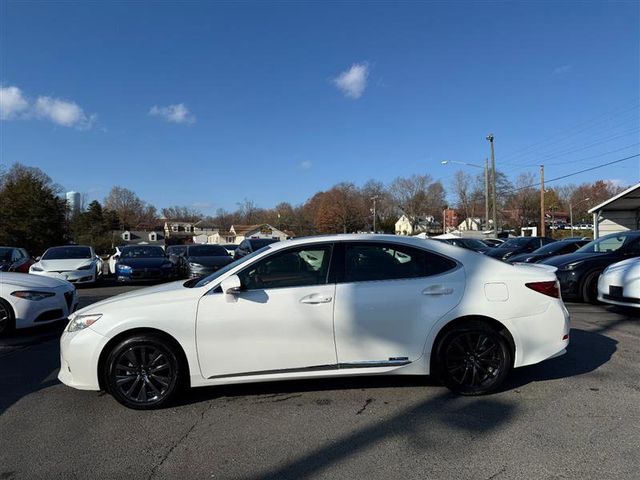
<point>231,285</point>
<point>38,259</point>
<point>116,257</point>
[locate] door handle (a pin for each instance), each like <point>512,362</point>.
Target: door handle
<point>315,298</point>
<point>437,290</point>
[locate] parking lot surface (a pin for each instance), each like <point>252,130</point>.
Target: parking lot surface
<point>575,416</point>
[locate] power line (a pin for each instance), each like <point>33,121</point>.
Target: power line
<point>575,173</point>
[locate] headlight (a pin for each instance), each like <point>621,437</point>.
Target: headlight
<point>195,265</point>
<point>80,322</point>
<point>124,268</point>
<point>85,267</point>
<point>32,295</point>
<point>571,266</point>
<point>36,269</point>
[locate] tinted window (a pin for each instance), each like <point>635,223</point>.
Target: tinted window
<point>297,267</point>
<point>63,253</point>
<point>5,254</point>
<point>261,242</point>
<point>207,251</point>
<point>366,262</point>
<point>516,242</point>
<point>609,243</point>
<point>176,250</point>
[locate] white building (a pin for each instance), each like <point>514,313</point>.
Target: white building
<point>73,202</point>
<point>408,226</point>
<point>468,224</point>
<point>238,233</point>
<point>618,214</point>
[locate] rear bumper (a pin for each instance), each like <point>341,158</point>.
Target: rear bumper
<point>543,336</point>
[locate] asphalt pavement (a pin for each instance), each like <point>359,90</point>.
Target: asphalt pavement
<point>575,416</point>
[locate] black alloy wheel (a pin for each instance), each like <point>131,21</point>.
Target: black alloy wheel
<point>6,318</point>
<point>590,287</point>
<point>474,359</point>
<point>143,372</point>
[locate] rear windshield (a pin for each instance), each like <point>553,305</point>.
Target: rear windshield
<point>473,243</point>
<point>5,254</point>
<point>261,242</point>
<point>207,251</point>
<point>64,253</point>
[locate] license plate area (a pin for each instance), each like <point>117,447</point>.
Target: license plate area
<point>615,291</point>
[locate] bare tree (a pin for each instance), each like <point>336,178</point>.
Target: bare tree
<point>131,210</point>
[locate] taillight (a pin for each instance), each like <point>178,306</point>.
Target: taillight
<point>549,288</point>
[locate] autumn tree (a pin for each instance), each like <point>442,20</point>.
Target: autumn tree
<point>131,210</point>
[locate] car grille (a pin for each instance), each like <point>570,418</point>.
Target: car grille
<point>68,297</point>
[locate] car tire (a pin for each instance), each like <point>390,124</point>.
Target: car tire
<point>7,318</point>
<point>589,289</point>
<point>144,372</point>
<point>473,358</point>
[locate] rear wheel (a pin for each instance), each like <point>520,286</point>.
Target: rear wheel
<point>7,318</point>
<point>590,288</point>
<point>473,359</point>
<point>143,372</point>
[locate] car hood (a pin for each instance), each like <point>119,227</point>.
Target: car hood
<point>143,262</point>
<point>629,264</point>
<point>163,288</point>
<point>64,265</point>
<point>24,280</point>
<point>211,261</point>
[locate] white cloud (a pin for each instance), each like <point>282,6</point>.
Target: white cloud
<point>353,82</point>
<point>15,105</point>
<point>561,70</point>
<point>12,103</point>
<point>63,112</point>
<point>177,113</point>
<point>305,165</point>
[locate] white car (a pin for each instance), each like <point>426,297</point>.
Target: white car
<point>371,305</point>
<point>619,283</point>
<point>27,300</point>
<point>113,259</point>
<point>74,263</point>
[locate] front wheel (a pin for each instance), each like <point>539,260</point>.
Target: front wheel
<point>590,288</point>
<point>143,372</point>
<point>473,359</point>
<point>6,318</point>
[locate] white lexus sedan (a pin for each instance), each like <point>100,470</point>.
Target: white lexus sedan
<point>27,300</point>
<point>365,305</point>
<point>74,263</point>
<point>619,283</point>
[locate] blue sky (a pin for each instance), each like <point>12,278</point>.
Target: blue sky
<point>205,104</point>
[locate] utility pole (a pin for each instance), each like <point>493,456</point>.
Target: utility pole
<point>542,231</point>
<point>486,193</point>
<point>374,198</point>
<point>493,184</point>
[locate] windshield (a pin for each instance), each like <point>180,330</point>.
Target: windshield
<point>516,242</point>
<point>66,253</point>
<point>207,251</point>
<point>206,280</point>
<point>472,243</point>
<point>142,252</point>
<point>607,244</point>
<point>5,254</point>
<point>552,247</point>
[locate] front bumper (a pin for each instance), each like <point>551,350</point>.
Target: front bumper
<point>569,283</point>
<point>625,293</point>
<point>145,275</point>
<point>79,355</point>
<point>52,309</point>
<point>72,276</point>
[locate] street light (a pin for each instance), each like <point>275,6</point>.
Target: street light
<point>374,198</point>
<point>571,211</point>
<point>493,183</point>
<point>486,184</point>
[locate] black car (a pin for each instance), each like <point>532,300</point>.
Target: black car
<point>514,246</point>
<point>250,245</point>
<point>468,243</point>
<point>144,263</point>
<point>13,259</point>
<point>203,260</point>
<point>578,272</point>
<point>549,250</point>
